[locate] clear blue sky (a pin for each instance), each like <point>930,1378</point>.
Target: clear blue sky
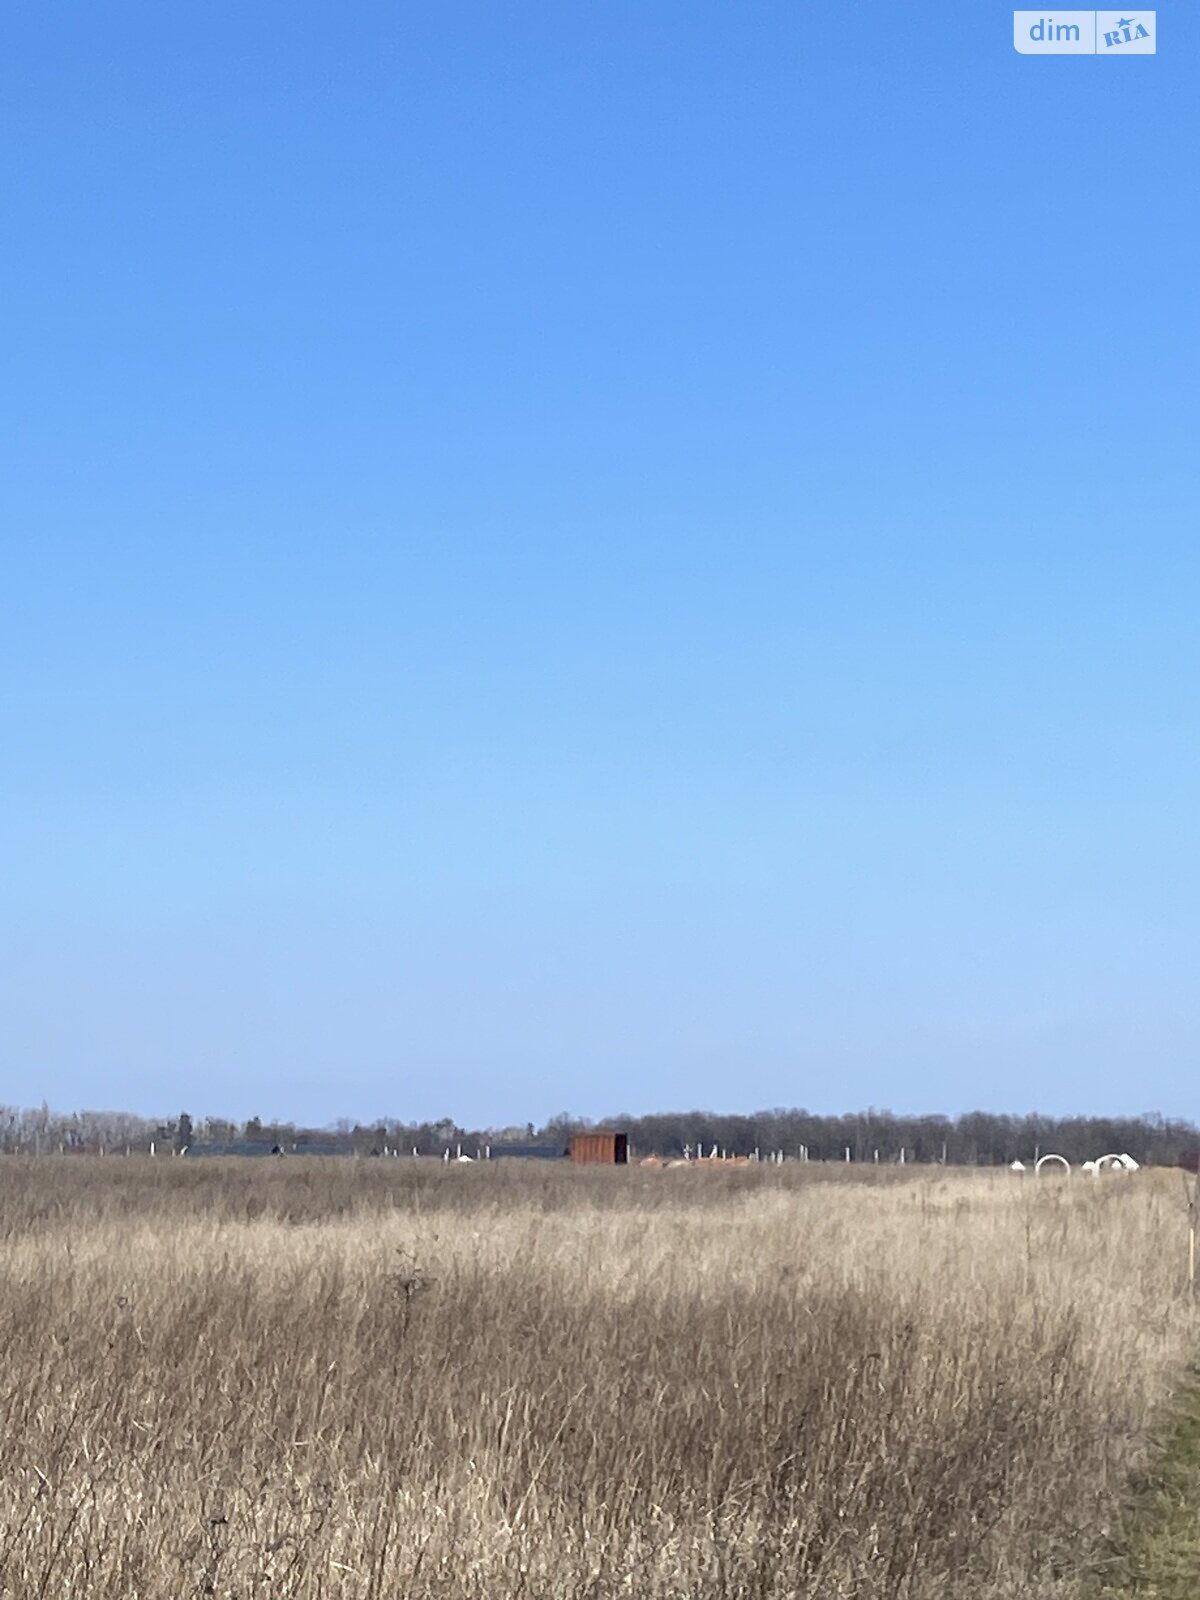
<point>597,554</point>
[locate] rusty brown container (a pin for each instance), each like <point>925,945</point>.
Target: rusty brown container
<point>600,1149</point>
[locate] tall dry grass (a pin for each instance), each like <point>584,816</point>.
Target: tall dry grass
<point>305,1379</point>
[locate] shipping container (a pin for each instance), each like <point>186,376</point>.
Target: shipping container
<point>600,1149</point>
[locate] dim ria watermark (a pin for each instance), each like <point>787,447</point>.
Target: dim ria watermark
<point>1085,33</point>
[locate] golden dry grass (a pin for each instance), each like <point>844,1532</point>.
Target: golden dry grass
<point>389,1379</point>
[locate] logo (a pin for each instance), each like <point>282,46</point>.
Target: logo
<point>1084,33</point>
<point>1117,34</point>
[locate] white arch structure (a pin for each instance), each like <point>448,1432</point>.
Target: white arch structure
<point>1122,1163</point>
<point>1062,1160</point>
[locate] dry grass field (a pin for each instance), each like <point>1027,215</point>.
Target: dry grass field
<point>390,1379</point>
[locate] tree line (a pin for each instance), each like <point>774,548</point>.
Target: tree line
<point>977,1138</point>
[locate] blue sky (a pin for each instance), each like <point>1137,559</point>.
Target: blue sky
<point>596,555</point>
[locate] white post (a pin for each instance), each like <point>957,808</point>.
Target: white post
<point>847,1152</point>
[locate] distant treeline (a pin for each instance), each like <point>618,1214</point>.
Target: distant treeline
<point>980,1138</point>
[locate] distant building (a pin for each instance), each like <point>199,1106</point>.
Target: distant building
<point>601,1149</point>
<point>527,1152</point>
<point>268,1147</point>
